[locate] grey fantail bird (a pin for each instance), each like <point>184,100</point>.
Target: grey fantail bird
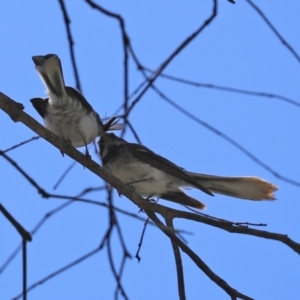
<point>153,175</point>
<point>66,112</point>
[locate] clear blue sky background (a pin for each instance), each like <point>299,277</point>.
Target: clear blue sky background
<point>237,50</point>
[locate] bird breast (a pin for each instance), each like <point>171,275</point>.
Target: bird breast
<point>151,181</point>
<point>71,122</point>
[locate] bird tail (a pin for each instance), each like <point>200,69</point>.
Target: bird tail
<point>251,188</point>
<point>50,71</point>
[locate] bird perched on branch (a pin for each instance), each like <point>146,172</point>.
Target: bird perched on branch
<point>66,112</point>
<point>153,175</point>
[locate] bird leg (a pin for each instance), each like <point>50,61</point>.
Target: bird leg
<point>129,184</point>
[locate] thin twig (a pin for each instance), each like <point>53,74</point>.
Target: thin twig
<point>24,263</point>
<point>279,36</point>
<point>63,206</point>
<point>125,42</point>
<point>233,293</point>
<point>16,112</point>
<point>21,230</point>
<point>113,223</point>
<point>227,138</point>
<point>64,174</point>
<point>229,226</point>
<point>137,255</point>
<point>67,21</point>
<point>21,144</point>
<point>178,50</point>
<point>178,262</point>
<point>29,178</point>
<point>133,131</point>
<point>116,275</point>
<point>59,271</point>
<point>228,89</point>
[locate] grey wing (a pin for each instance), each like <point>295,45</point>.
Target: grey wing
<point>147,156</point>
<point>75,94</point>
<point>40,105</point>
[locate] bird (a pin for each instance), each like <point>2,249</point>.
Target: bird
<point>152,175</point>
<point>66,112</point>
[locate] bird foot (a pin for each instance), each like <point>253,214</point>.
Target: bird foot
<point>130,186</point>
<point>151,200</point>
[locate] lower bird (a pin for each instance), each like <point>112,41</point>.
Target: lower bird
<point>66,112</point>
<point>151,175</point>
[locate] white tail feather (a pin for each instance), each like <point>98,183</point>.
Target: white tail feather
<point>51,75</point>
<point>251,188</point>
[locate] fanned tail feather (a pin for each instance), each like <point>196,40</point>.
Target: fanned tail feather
<point>50,71</point>
<point>251,188</point>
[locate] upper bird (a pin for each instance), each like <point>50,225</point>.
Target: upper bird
<point>66,112</point>
<point>153,175</point>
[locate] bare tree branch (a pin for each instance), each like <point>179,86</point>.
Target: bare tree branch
<point>178,50</point>
<point>279,36</point>
<point>113,222</point>
<point>26,237</point>
<point>137,254</point>
<point>125,42</point>
<point>234,294</point>
<point>67,21</point>
<point>16,112</point>
<point>114,228</point>
<point>24,263</point>
<point>21,144</point>
<point>21,230</point>
<point>227,138</point>
<point>228,89</point>
<point>51,213</point>
<point>64,174</point>
<point>59,271</point>
<point>229,226</point>
<point>178,262</point>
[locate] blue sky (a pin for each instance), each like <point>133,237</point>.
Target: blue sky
<point>237,50</point>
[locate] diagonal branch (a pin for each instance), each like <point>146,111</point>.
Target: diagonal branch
<point>228,89</point>
<point>24,263</point>
<point>59,271</point>
<point>67,21</point>
<point>275,31</point>
<point>233,293</point>
<point>178,262</point>
<point>15,111</point>
<point>21,144</point>
<point>229,226</point>
<point>26,236</point>
<point>226,138</point>
<point>187,41</point>
<point>125,41</point>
